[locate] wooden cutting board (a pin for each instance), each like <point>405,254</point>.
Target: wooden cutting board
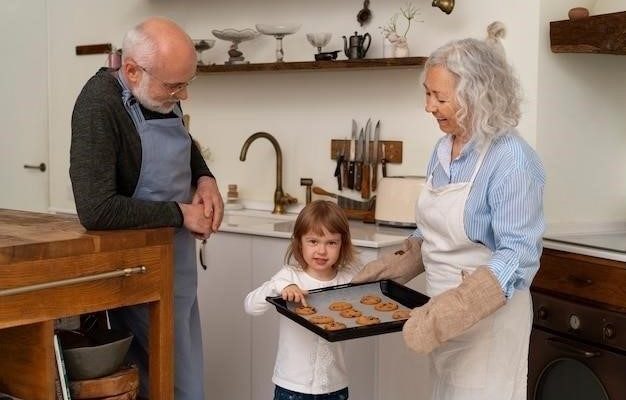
<point>118,384</point>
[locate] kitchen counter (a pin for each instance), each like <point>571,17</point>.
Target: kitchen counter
<point>53,268</point>
<point>601,240</point>
<point>263,223</point>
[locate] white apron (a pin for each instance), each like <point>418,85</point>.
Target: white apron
<point>490,360</point>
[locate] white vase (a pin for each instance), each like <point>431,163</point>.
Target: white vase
<point>388,48</point>
<point>401,51</point>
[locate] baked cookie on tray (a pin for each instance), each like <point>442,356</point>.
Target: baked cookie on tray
<point>302,310</point>
<point>367,320</point>
<point>401,314</point>
<point>370,299</point>
<point>321,319</point>
<point>350,313</point>
<point>386,306</point>
<point>340,305</point>
<point>334,326</point>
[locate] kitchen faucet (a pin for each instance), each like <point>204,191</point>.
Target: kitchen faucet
<point>280,199</point>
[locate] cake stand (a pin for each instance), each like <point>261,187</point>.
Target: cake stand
<point>279,32</point>
<point>235,36</point>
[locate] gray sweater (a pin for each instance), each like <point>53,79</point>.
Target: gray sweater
<point>105,161</point>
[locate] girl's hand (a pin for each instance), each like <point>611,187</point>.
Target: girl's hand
<point>294,294</point>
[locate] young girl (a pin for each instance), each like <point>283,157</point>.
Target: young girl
<point>307,366</point>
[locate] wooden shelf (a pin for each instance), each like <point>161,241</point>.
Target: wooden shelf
<point>367,63</point>
<point>602,34</point>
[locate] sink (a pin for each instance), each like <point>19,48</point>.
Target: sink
<point>247,220</point>
<point>283,223</point>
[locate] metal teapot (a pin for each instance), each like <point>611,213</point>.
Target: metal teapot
<point>357,47</point>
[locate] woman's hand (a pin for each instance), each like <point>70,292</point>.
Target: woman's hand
<point>294,294</point>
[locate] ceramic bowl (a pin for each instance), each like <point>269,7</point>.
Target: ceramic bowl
<point>319,39</point>
<point>102,355</point>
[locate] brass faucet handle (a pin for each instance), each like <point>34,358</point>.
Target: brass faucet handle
<point>288,199</point>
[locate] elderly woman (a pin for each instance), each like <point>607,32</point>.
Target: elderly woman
<point>479,227</point>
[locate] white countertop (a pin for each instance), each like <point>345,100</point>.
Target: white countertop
<point>264,223</point>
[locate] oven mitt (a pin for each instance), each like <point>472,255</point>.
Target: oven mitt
<point>400,266</point>
<point>451,313</point>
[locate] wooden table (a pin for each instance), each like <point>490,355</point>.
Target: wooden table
<point>50,267</point>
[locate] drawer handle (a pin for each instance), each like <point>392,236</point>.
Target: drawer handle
<point>566,345</point>
<point>579,281</point>
<point>72,281</point>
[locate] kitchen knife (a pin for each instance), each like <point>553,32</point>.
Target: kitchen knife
<point>383,162</point>
<point>344,161</point>
<point>365,174</point>
<point>350,181</point>
<point>337,173</point>
<point>358,163</point>
<point>376,157</point>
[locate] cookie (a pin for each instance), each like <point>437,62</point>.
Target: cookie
<point>386,306</point>
<point>340,306</point>
<point>334,326</point>
<point>321,319</point>
<point>350,313</point>
<point>370,299</point>
<point>302,310</point>
<point>367,320</point>
<point>401,314</point>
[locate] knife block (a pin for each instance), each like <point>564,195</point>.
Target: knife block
<point>393,150</point>
<point>366,216</point>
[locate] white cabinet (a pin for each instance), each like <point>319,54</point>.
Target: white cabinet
<point>225,326</point>
<point>239,350</point>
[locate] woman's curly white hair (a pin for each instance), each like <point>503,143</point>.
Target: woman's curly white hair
<point>487,91</point>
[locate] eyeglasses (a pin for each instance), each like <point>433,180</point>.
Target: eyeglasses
<point>172,88</point>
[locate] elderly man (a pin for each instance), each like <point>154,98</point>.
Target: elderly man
<point>133,164</point>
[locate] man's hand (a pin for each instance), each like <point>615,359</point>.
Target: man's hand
<point>400,266</point>
<point>208,195</point>
<point>195,221</point>
<point>294,294</point>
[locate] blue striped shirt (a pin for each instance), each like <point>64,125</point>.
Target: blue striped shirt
<point>504,209</point>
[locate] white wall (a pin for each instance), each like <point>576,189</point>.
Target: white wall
<point>303,110</point>
<point>581,122</point>
<point>574,109</point>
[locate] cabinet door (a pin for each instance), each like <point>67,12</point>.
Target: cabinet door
<point>225,326</point>
<point>402,373</point>
<point>267,258</point>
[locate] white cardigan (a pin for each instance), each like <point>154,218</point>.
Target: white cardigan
<point>305,362</point>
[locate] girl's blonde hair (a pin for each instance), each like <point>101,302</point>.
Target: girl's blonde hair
<point>313,218</point>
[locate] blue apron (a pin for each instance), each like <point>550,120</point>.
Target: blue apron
<point>166,176</point>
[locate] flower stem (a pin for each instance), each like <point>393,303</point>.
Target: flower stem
<point>408,25</point>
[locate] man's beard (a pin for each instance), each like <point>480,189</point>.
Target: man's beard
<point>141,94</point>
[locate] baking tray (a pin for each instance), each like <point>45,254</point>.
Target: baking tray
<point>387,290</point>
